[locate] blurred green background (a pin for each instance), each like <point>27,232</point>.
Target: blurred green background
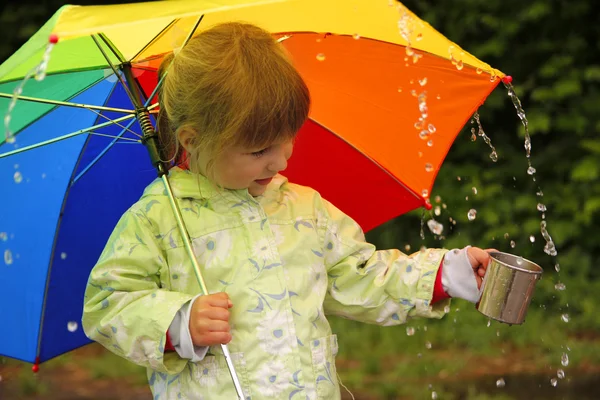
<point>552,50</point>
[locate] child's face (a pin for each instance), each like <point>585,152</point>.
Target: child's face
<point>252,169</point>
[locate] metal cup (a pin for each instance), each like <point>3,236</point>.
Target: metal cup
<point>507,287</point>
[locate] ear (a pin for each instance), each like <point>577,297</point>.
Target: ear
<point>186,137</point>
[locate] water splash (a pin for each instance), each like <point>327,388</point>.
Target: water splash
<point>564,359</point>
<point>560,374</point>
<point>8,257</point>
<point>472,214</point>
<point>435,227</point>
<point>560,286</point>
<point>39,73</point>
<point>486,139</point>
<point>549,248</point>
<point>500,383</point>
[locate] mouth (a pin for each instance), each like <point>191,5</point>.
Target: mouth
<point>264,182</point>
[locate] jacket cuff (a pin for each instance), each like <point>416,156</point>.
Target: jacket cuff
<point>458,277</point>
<point>179,334</point>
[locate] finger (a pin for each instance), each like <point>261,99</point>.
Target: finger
<point>213,338</point>
<point>481,257</point>
<point>216,325</point>
<point>216,314</point>
<point>219,300</point>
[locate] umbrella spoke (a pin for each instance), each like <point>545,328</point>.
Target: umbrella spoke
<point>115,71</point>
<point>126,128</point>
<point>66,103</point>
<point>104,151</point>
<point>67,136</point>
<point>154,39</point>
<point>112,48</point>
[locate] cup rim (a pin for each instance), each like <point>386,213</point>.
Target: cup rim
<point>536,271</point>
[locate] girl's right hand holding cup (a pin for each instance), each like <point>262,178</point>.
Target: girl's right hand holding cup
<point>209,320</point>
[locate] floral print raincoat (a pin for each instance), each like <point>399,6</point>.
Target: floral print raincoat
<point>287,259</point>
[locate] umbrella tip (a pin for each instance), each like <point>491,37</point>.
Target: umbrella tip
<point>53,38</point>
<point>507,79</point>
<point>428,205</point>
<point>36,365</point>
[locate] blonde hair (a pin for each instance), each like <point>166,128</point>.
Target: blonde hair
<point>235,86</point>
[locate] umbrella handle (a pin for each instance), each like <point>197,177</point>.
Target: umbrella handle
<point>192,256</point>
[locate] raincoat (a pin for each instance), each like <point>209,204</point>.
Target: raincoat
<point>287,259</point>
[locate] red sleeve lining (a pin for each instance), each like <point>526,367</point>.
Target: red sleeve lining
<point>438,288</point>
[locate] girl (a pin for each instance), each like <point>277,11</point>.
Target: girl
<point>277,256</point>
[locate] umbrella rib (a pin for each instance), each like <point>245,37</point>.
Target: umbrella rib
<point>102,153</point>
<point>67,136</point>
<point>112,48</point>
<point>116,137</point>
<point>155,38</point>
<point>67,104</point>
<point>119,77</point>
<point>185,42</point>
<point>118,124</point>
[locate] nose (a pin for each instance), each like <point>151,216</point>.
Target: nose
<point>280,157</point>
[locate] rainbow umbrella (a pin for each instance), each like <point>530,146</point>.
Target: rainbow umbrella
<point>389,94</point>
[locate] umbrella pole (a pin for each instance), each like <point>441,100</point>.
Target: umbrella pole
<point>150,139</point>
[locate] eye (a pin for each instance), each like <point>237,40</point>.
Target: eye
<point>260,153</point>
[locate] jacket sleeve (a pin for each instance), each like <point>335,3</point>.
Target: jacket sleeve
<point>125,307</point>
<point>385,287</point>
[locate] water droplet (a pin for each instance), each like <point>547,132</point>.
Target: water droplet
<point>564,318</point>
<point>459,65</point>
<point>356,36</point>
<point>407,247</point>
<point>410,331</point>
<point>44,175</point>
<point>72,326</point>
<point>541,207</point>
<point>3,236</point>
<point>479,71</point>
<point>557,267</point>
<point>560,286</point>
<point>438,97</point>
<point>512,244</point>
<point>320,57</point>
<point>428,167</point>
<point>467,198</point>
<point>424,134</point>
<point>435,227</point>
<point>489,323</point>
<point>428,345</point>
<point>540,193</point>
<point>430,143</point>
<point>458,178</point>
<point>409,51</point>
<point>399,90</point>
<point>431,128</point>
<point>8,258</point>
<point>500,383</point>
<point>423,81</point>
<point>438,199</point>
<point>425,193</point>
<point>560,374</point>
<point>531,170</point>
<point>444,206</point>
<point>532,239</point>
<point>18,177</point>
<point>63,256</point>
<point>494,156</point>
<point>474,189</point>
<point>437,211</point>
<point>506,235</point>
<point>419,37</point>
<point>554,382</point>
<point>473,135</point>
<point>434,395</point>
<point>564,359</point>
<point>446,309</point>
<point>472,214</point>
